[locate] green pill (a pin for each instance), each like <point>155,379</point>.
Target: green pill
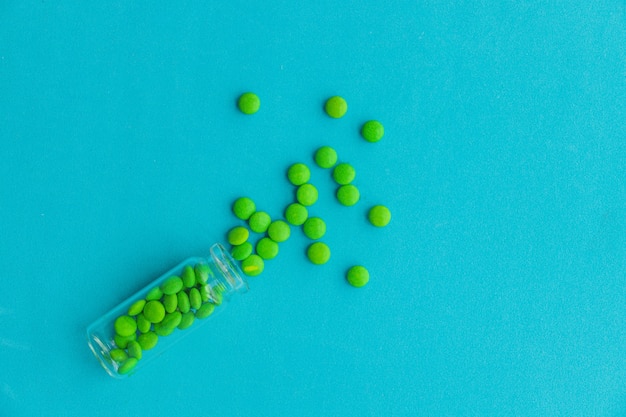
<point>136,307</point>
<point>170,301</point>
<point>202,273</point>
<point>318,253</point>
<point>379,216</point>
<point>279,231</point>
<point>336,107</point>
<point>306,194</point>
<point>161,330</point>
<point>134,349</point>
<point>357,276</point>
<point>125,326</point>
<point>237,235</point>
<point>148,340</point>
<point>122,341</point>
<point>298,174</point>
<point>154,294</point>
<point>205,293</point>
<point>266,248</point>
<point>314,228</point>
<point>188,276</point>
<point>195,300</point>
<point>243,208</point>
<point>154,311</point>
<point>127,366</point>
<point>259,222</point>
<point>172,285</point>
<point>143,324</point>
<point>118,355</point>
<point>249,103</point>
<point>186,320</point>
<point>344,174</point>
<point>205,310</point>
<point>183,302</point>
<point>296,214</point>
<point>253,265</point>
<point>325,157</point>
<point>171,320</point>
<point>372,131</point>
<point>348,195</point>
<point>241,252</point>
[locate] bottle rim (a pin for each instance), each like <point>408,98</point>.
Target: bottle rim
<point>231,271</point>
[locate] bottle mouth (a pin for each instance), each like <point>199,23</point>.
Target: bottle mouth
<point>233,277</point>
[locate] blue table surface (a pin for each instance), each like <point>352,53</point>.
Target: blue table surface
<point>498,288</point>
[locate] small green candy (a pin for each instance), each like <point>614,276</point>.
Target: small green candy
<point>134,349</point>
<point>154,311</point>
<point>279,231</point>
<point>336,107</point>
<point>379,216</point>
<point>344,174</point>
<point>186,320</point>
<point>161,330</point>
<point>357,276</point>
<point>314,228</point>
<point>136,307</point>
<point>205,310</point>
<point>148,340</point>
<point>298,174</point>
<point>125,326</point>
<point>318,253</point>
<point>325,157</point>
<point>195,299</point>
<point>154,294</point>
<point>170,301</point>
<point>143,324</point>
<point>171,320</point>
<point>267,248</point>
<point>183,302</point>
<point>307,194</point>
<point>237,235</point>
<point>241,252</point>
<point>372,131</point>
<point>296,214</point>
<point>172,285</point>
<point>243,208</point>
<point>188,276</point>
<point>259,222</point>
<point>118,355</point>
<point>348,195</point>
<point>127,366</point>
<point>205,293</point>
<point>122,341</point>
<point>253,265</point>
<point>202,273</point>
<point>249,103</point>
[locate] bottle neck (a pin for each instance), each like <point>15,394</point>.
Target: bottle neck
<point>231,279</point>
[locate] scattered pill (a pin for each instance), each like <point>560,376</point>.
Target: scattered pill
<point>279,231</point>
<point>136,307</point>
<point>134,349</point>
<point>357,276</point>
<point>205,310</point>
<point>127,366</point>
<point>318,253</point>
<point>148,340</point>
<point>348,195</point>
<point>253,265</point>
<point>249,103</point>
<point>314,228</point>
<point>266,248</point>
<point>238,235</point>
<point>241,252</point>
<point>259,222</point>
<point>325,157</point>
<point>344,174</point>
<point>125,326</point>
<point>154,311</point>
<point>372,131</point>
<point>336,107</point>
<point>188,276</point>
<point>296,214</point>
<point>298,174</point>
<point>243,208</point>
<point>379,216</point>
<point>172,285</point>
<point>307,194</point>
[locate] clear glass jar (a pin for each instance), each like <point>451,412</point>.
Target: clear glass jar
<point>178,302</point>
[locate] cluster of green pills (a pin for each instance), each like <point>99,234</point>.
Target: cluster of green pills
<point>174,304</point>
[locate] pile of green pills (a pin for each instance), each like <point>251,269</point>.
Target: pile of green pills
<point>174,304</point>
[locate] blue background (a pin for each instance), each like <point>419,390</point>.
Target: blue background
<point>497,289</point>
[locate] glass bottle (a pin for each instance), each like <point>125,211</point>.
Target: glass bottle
<point>178,302</point>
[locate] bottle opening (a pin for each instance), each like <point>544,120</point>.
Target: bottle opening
<point>233,277</point>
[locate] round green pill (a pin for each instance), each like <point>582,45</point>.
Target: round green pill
<point>243,208</point>
<point>134,349</point>
<point>259,222</point>
<point>172,285</point>
<point>118,355</point>
<point>372,131</point>
<point>325,157</point>
<point>195,300</point>
<point>162,330</point>
<point>148,340</point>
<point>344,174</point>
<point>188,276</point>
<point>187,320</point>
<point>154,311</point>
<point>253,265</point>
<point>307,194</point>
<point>122,341</point>
<point>348,195</point>
<point>379,216</point>
<point>154,294</point>
<point>127,366</point>
<point>237,235</point>
<point>170,301</point>
<point>357,276</point>
<point>279,231</point>
<point>136,307</point>
<point>171,320</point>
<point>143,324</point>
<point>336,107</point>
<point>298,174</point>
<point>249,103</point>
<point>296,214</point>
<point>314,228</point>
<point>318,253</point>
<point>241,252</point>
<point>266,248</point>
<point>205,310</point>
<point>183,302</point>
<point>125,326</point>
